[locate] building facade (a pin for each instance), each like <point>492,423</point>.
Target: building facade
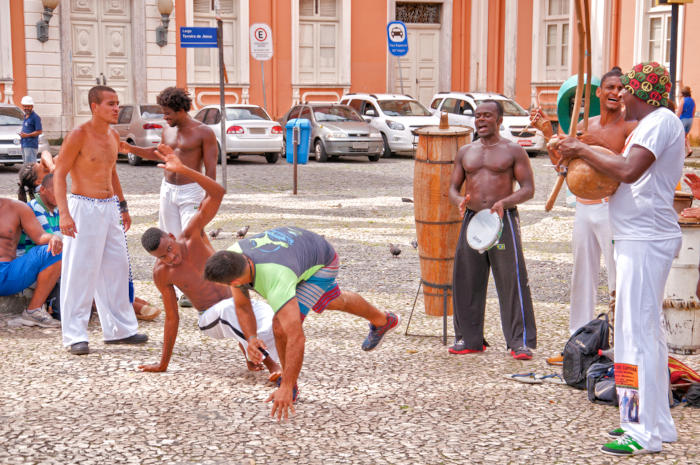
<point>323,49</point>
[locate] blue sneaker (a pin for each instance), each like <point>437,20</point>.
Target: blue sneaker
<point>377,333</point>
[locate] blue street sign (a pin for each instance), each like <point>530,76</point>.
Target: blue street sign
<point>198,37</point>
<point>398,38</point>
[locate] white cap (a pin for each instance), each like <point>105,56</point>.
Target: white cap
<point>27,100</point>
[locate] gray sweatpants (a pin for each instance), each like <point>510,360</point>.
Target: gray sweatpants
<point>470,282</point>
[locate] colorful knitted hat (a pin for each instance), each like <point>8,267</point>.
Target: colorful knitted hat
<point>650,82</point>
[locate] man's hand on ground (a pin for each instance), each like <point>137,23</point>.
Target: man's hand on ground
<point>282,403</point>
<point>155,368</point>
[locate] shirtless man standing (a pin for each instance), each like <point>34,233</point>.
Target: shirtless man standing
<point>95,261</point>
<point>41,264</point>
<point>489,167</point>
<point>592,234</point>
<point>195,144</point>
<point>181,263</point>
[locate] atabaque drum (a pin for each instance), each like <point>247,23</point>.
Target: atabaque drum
<point>437,221</point>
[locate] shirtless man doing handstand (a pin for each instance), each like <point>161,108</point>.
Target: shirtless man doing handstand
<point>181,263</point>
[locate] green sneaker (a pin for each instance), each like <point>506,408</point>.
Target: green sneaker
<point>616,433</point>
<point>624,446</point>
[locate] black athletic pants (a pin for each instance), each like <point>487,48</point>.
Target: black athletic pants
<point>470,281</point>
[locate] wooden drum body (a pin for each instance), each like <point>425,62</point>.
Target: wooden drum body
<point>587,182</point>
<point>437,220</point>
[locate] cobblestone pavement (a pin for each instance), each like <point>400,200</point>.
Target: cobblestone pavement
<point>408,402</point>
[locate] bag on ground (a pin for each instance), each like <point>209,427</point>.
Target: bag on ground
<point>600,383</point>
<point>581,351</point>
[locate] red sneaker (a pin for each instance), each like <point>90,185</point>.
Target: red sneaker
<point>460,348</point>
<point>523,353</point>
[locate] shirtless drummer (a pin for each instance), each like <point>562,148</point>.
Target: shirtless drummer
<point>181,263</point>
<point>489,167</point>
<point>95,261</point>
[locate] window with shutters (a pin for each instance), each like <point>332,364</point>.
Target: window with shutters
<point>206,60</point>
<point>319,36</point>
<point>657,32</point>
<point>557,14</point>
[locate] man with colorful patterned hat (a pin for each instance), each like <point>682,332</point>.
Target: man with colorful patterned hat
<point>646,237</point>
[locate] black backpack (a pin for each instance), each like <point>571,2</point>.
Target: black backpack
<point>581,351</point>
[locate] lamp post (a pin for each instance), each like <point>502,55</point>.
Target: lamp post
<point>165,7</point>
<point>42,26</point>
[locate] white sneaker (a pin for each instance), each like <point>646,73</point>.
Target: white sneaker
<point>39,318</point>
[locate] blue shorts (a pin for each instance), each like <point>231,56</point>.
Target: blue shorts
<point>319,290</point>
<point>20,273</point>
<point>687,124</point>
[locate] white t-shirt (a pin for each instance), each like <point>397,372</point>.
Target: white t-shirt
<point>644,210</point>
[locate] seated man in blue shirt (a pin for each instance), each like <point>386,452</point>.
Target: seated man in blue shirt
<point>41,264</point>
<point>31,129</point>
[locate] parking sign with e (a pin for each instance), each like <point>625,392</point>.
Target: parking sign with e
<point>397,38</point>
<point>261,41</point>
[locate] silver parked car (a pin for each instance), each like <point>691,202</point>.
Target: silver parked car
<point>140,125</point>
<point>337,130</point>
<point>249,130</point>
<point>11,119</point>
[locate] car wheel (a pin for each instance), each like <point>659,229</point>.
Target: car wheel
<point>283,150</point>
<point>373,158</point>
<point>133,159</point>
<point>321,155</point>
<point>272,157</point>
<point>387,149</point>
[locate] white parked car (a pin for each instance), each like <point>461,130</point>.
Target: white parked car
<point>249,130</point>
<point>395,116</point>
<point>516,127</point>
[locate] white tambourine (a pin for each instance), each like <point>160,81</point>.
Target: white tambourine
<point>484,230</point>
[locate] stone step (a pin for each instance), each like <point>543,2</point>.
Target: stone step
<point>14,304</point>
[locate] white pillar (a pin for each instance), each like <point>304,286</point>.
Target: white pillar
<point>511,48</point>
<point>479,45</point>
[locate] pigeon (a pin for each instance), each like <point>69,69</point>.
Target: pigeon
<point>395,251</point>
<point>213,234</point>
<point>406,200</point>
<point>414,243</point>
<point>242,232</point>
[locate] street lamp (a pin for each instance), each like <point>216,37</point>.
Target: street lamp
<point>165,7</point>
<point>42,26</point>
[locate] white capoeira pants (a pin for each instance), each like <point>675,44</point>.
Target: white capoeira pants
<point>220,322</point>
<point>95,265</point>
<point>641,354</point>
<point>591,236</point>
<point>178,204</point>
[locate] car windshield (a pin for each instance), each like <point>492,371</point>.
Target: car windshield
<point>510,108</point>
<point>151,112</point>
<point>11,116</point>
<point>246,113</point>
<point>403,108</point>
<point>335,114</point>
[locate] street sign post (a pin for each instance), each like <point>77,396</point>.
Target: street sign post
<point>397,39</point>
<point>222,94</point>
<point>261,48</point>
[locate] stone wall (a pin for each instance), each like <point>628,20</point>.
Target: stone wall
<point>44,68</point>
<point>160,61</point>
